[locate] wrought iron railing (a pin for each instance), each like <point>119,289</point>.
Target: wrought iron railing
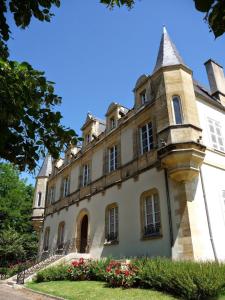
<point>112,236</point>
<point>152,229</point>
<point>62,249</point>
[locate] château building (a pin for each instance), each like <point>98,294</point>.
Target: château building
<point>147,181</point>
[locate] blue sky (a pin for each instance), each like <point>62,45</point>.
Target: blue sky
<point>95,55</point>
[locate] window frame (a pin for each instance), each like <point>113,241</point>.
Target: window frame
<point>216,125</point>
<point>180,110</point>
<point>112,158</point>
<point>46,239</point>
<point>143,99</point>
<point>112,219</point>
<point>39,199</point>
<point>112,123</point>
<point>149,138</point>
<point>157,233</point>
<point>66,186</point>
<point>85,175</point>
<point>61,235</point>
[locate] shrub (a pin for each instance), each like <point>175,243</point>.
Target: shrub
<point>189,280</point>
<point>97,269</point>
<point>59,272</point>
<point>121,274</point>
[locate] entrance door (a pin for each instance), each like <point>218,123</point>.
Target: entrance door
<point>84,234</point>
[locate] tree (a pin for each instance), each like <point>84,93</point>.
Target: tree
<point>29,124</point>
<point>214,14</point>
<point>18,239</point>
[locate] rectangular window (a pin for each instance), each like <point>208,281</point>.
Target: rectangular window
<point>146,137</point>
<point>112,224</point>
<point>113,158</point>
<point>66,187</point>
<point>216,136</point>
<point>52,195</point>
<point>112,123</point>
<point>143,97</point>
<point>152,215</point>
<point>39,199</point>
<point>85,175</point>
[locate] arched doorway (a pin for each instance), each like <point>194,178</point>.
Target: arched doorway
<point>83,234</point>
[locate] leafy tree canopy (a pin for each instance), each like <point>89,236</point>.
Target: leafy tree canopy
<point>29,123</point>
<point>18,239</point>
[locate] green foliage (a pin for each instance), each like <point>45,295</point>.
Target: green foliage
<point>186,279</point>
<point>18,240</point>
<point>215,14</point>
<point>29,123</point>
<point>112,3</point>
<point>189,280</point>
<point>59,272</point>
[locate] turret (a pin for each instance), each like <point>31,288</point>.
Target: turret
<point>40,193</point>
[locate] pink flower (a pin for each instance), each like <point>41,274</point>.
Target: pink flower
<point>75,263</point>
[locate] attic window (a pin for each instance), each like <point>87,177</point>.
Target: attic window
<point>143,97</point>
<point>112,123</point>
<point>88,138</point>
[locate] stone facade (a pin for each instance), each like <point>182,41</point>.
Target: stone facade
<point>143,182</point>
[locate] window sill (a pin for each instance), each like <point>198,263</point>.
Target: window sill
<point>151,237</point>
<point>109,243</point>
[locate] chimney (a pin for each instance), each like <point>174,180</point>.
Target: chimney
<point>216,79</point>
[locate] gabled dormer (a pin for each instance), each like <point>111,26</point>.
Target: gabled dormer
<point>142,91</point>
<point>114,113</point>
<point>92,128</point>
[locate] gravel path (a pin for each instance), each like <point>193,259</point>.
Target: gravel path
<point>9,293</point>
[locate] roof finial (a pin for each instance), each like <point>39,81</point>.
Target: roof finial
<point>164,29</point>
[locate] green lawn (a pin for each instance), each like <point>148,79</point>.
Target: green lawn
<point>94,290</point>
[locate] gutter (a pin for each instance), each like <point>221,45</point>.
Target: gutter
<point>207,217</point>
<point>169,209</point>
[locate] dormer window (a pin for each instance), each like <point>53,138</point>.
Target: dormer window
<point>112,123</point>
<point>88,138</point>
<point>143,97</point>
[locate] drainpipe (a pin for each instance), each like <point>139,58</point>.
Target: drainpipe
<point>169,208</point>
<point>207,216</point>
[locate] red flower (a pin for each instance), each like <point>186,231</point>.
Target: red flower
<point>75,263</point>
<point>126,273</point>
<point>108,269</point>
<point>117,271</point>
<point>81,260</point>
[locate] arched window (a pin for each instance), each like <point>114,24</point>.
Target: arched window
<point>111,223</point>
<point>46,239</point>
<point>60,240</point>
<point>150,214</point>
<point>39,199</point>
<point>177,110</point>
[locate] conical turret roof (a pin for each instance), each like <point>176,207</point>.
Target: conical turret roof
<point>168,54</point>
<point>46,168</point>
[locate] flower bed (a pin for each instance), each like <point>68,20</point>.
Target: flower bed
<point>189,280</point>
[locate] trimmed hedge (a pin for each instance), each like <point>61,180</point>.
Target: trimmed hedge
<point>186,279</point>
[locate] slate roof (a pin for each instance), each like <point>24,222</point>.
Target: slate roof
<point>168,54</point>
<point>46,168</point>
